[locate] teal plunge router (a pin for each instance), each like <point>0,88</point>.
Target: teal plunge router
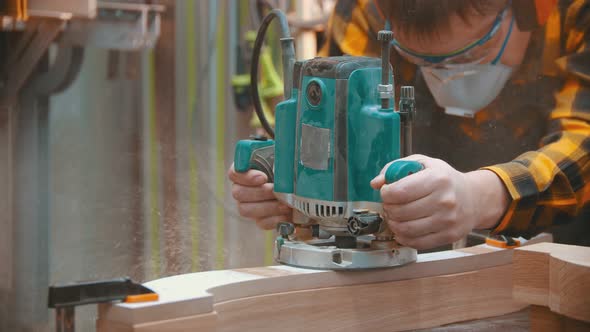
<point>335,131</point>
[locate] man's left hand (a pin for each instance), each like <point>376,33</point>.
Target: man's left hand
<point>439,204</point>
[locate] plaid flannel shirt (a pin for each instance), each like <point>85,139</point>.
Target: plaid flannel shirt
<point>546,186</point>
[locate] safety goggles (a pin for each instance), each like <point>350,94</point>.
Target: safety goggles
<point>472,53</point>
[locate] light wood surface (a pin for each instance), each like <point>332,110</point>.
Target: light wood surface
<point>205,322</point>
<point>555,276</point>
<point>385,306</point>
<point>440,288</point>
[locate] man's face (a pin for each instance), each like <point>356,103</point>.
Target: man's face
<point>463,31</point>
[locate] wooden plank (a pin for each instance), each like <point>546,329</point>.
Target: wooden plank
<point>206,322</point>
<point>196,293</point>
<point>531,287</point>
<point>202,293</point>
<point>111,326</point>
<point>387,306</point>
<point>421,294</point>
<point>555,276</point>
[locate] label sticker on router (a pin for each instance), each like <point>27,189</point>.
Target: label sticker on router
<point>315,147</point>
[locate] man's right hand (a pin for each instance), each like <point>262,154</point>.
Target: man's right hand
<point>256,199</point>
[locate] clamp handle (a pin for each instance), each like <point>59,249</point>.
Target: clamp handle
<point>257,153</point>
<point>400,169</point>
<point>501,241</point>
<point>65,297</point>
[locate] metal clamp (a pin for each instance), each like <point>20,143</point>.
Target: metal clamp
<point>65,297</point>
<point>502,241</point>
<point>385,91</point>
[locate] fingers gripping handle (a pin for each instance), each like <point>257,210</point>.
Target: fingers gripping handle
<point>255,154</point>
<point>400,169</point>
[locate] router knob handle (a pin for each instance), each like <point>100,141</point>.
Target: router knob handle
<point>400,169</point>
<point>385,35</point>
<point>257,153</point>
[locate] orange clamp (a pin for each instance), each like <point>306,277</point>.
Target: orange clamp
<point>502,241</point>
<point>148,297</point>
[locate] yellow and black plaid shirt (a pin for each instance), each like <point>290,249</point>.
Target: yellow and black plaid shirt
<point>548,180</point>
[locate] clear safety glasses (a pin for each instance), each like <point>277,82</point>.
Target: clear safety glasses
<point>473,53</point>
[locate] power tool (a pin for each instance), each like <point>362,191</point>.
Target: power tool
<point>335,131</point>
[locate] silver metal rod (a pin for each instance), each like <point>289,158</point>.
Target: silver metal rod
<point>407,108</point>
<point>407,137</point>
<point>385,37</point>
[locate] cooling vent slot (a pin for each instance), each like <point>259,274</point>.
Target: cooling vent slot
<point>319,210</point>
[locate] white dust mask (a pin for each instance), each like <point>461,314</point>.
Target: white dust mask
<point>463,91</point>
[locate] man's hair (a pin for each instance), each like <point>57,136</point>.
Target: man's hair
<point>425,18</point>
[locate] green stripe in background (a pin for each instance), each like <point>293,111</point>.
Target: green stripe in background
<point>154,172</point>
<point>220,136</point>
<point>191,84</point>
<point>269,236</point>
<point>243,17</point>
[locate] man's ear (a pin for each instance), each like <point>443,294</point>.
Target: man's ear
<point>531,14</point>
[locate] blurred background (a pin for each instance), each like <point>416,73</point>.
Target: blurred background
<point>118,121</point>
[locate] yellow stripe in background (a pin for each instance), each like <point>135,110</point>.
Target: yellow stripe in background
<point>24,13</point>
<point>220,137</point>
<point>19,9</point>
<point>191,87</point>
<point>154,172</point>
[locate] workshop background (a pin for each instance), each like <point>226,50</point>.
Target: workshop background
<point>114,152</point>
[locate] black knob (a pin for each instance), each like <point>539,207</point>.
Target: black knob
<point>285,229</point>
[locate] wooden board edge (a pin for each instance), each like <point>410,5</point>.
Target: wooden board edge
<point>528,286</point>
<point>556,276</point>
<point>387,306</point>
<point>246,283</point>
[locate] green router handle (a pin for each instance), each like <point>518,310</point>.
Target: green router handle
<point>400,169</point>
<point>258,154</point>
